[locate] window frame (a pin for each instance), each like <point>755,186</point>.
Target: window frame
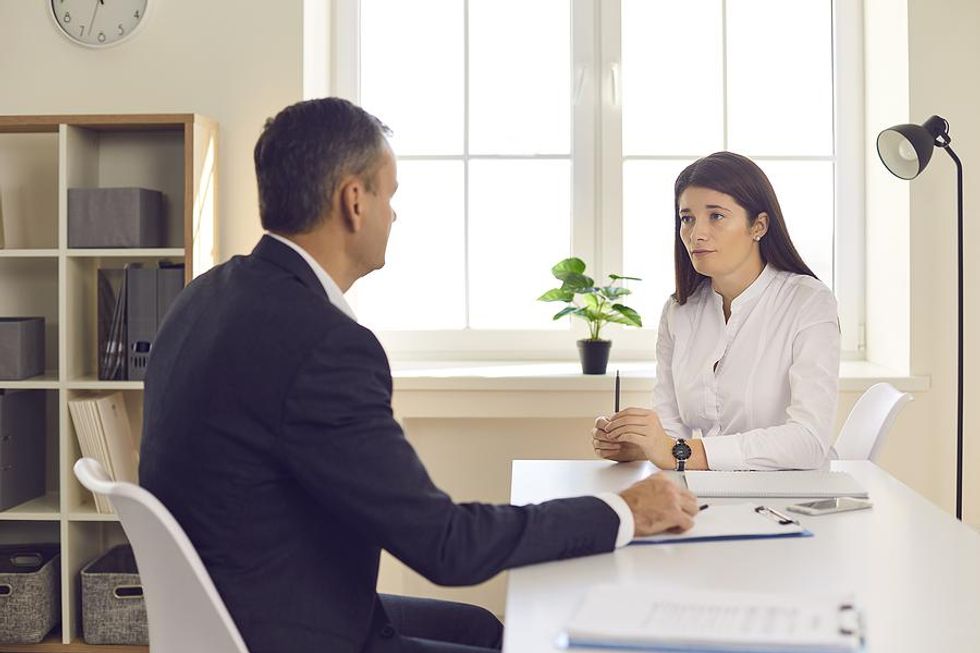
<point>596,160</point>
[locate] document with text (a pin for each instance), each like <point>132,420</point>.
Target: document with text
<point>677,619</point>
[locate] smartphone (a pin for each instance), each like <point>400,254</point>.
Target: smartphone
<point>828,506</point>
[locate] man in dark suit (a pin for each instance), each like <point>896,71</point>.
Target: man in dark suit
<point>268,429</point>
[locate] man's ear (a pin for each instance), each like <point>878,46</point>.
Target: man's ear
<point>760,226</point>
<point>350,196</point>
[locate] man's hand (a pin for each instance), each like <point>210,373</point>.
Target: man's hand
<point>658,504</point>
<point>619,450</point>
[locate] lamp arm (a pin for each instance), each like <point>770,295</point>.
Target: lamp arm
<point>959,346</point>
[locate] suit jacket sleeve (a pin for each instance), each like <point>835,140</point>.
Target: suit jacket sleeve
<point>341,442</point>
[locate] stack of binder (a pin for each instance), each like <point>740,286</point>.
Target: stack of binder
<point>104,433</point>
<point>132,304</point>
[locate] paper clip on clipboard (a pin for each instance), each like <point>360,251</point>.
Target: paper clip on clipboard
<point>776,516</point>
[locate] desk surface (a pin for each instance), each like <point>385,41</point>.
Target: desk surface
<point>913,568</point>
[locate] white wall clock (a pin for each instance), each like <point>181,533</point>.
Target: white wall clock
<point>98,23</point>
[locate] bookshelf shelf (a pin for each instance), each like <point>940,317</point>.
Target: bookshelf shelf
<point>42,157</point>
<point>29,253</point>
<point>54,644</point>
<point>92,383</point>
<point>163,252</point>
<point>43,508</point>
<point>46,381</point>
<point>87,512</point>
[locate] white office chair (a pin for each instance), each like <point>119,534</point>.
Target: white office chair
<point>184,611</point>
<point>871,418</point>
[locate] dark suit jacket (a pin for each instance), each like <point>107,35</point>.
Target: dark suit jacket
<point>268,433</point>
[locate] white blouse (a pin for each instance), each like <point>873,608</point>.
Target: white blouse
<point>760,389</point>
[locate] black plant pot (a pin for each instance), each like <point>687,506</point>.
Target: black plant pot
<point>594,355</point>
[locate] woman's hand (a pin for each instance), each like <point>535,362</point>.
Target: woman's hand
<point>637,429</point>
<point>620,451</point>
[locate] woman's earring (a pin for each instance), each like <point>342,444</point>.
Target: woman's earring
<point>758,238</point>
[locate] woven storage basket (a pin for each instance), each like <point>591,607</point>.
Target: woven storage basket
<point>30,592</point>
<point>113,609</point>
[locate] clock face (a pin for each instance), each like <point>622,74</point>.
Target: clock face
<point>98,23</point>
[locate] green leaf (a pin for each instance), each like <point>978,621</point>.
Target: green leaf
<point>616,277</point>
<point>612,292</point>
<point>578,283</point>
<point>591,301</point>
<point>569,266</point>
<point>593,315</point>
<point>565,311</point>
<point>629,314</point>
<point>557,295</point>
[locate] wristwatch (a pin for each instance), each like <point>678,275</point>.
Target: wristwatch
<point>681,452</point>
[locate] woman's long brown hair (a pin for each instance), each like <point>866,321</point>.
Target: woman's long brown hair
<point>739,177</point>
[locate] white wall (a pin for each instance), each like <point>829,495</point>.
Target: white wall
<point>237,62</point>
<point>943,54</point>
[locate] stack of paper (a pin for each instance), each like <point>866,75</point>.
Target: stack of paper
<point>639,617</point>
<point>104,433</point>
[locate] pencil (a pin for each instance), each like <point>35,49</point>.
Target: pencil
<point>617,391</point>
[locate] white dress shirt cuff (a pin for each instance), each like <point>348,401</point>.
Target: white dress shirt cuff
<point>626,525</point>
<point>724,453</point>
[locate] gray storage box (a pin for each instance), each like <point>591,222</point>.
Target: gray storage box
<point>22,445</point>
<point>30,592</point>
<point>113,609</point>
<point>21,347</point>
<point>116,217</point>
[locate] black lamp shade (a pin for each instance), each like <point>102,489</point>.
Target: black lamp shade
<point>905,149</point>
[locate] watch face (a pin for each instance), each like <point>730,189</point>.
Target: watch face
<point>97,23</point>
<point>681,451</point>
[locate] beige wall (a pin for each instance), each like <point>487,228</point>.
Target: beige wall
<point>237,62</point>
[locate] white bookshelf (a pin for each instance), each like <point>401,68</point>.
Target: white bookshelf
<point>41,157</point>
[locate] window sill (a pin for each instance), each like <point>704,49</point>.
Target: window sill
<point>511,389</point>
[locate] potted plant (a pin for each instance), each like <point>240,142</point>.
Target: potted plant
<point>599,306</point>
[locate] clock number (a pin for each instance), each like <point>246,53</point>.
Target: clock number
<point>101,37</point>
<point>67,17</point>
<point>136,14</point>
<point>121,30</point>
<point>81,30</point>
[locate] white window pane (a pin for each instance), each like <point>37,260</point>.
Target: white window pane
<point>672,77</point>
<point>519,227</point>
<point>422,283</point>
<point>805,190</point>
<point>412,72</point>
<point>520,62</point>
<point>780,77</point>
<point>648,233</point>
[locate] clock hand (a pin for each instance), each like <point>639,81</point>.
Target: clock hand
<point>92,22</point>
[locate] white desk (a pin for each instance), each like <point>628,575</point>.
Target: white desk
<point>914,569</point>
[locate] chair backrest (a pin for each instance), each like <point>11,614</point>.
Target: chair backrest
<point>871,418</point>
<point>184,610</point>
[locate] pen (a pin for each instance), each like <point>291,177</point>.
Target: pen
<point>617,391</point>
<point>702,507</point>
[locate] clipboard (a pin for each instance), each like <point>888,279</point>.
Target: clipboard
<point>733,521</point>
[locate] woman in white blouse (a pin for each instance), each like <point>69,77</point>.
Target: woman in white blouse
<point>748,350</point>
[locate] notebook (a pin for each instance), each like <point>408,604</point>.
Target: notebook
<point>639,617</point>
<point>732,521</point>
<point>789,484</point>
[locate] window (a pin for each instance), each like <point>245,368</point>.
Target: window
<point>531,130</point>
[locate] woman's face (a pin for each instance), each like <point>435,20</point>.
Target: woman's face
<point>716,232</point>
